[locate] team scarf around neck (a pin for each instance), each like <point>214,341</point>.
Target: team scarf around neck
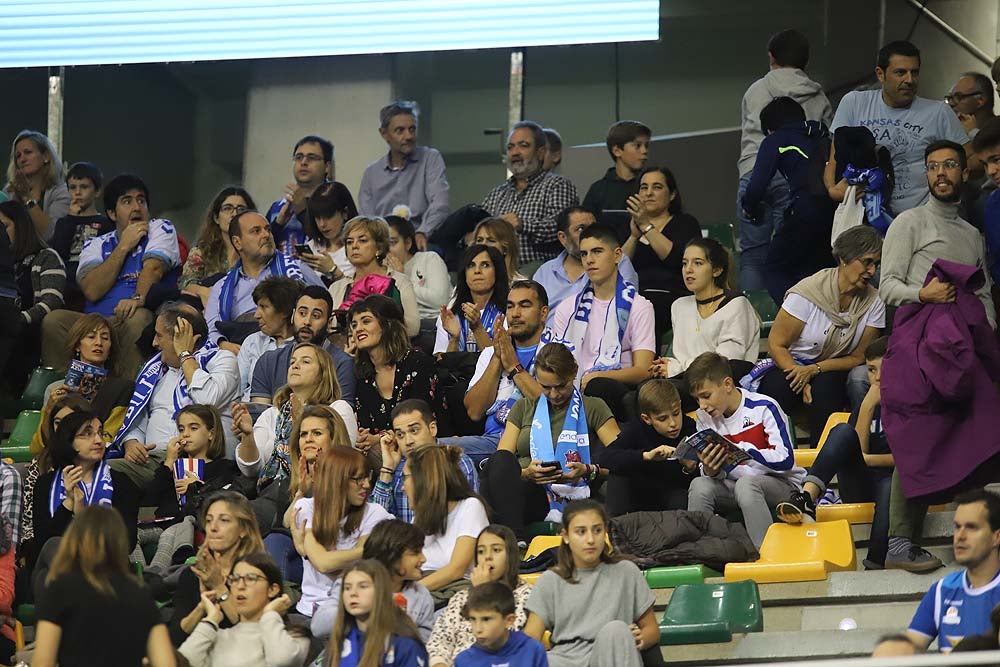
<point>149,376</point>
<point>466,340</point>
<point>100,491</point>
<point>609,357</point>
<point>280,265</point>
<point>279,465</point>
<point>573,445</point>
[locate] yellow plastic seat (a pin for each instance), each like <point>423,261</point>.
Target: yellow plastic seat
<point>850,512</point>
<point>18,635</point>
<point>541,543</point>
<point>804,458</point>
<point>530,578</point>
<point>803,552</point>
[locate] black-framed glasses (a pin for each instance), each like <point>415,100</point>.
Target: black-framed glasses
<point>359,479</point>
<point>232,209</point>
<point>249,579</point>
<point>958,97</point>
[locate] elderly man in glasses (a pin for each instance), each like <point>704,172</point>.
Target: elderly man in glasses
<point>971,98</point>
<point>312,165</point>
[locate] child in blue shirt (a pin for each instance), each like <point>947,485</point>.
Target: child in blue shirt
<point>490,610</point>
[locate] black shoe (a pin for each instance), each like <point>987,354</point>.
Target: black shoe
<point>799,508</point>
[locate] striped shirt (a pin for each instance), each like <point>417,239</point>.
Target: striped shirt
<point>48,282</point>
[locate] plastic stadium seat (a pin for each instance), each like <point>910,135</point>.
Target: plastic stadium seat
<point>671,577</point>
<point>18,635</point>
<point>34,392</point>
<point>849,512</point>
<point>803,552</point>
<point>804,458</point>
<point>542,528</point>
<point>541,543</point>
<point>703,613</point>
<point>722,232</point>
<point>18,446</point>
<point>765,307</point>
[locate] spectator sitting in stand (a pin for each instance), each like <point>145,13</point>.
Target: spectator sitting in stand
<point>628,145</point>
<point>427,273</point>
<point>275,298</point>
<point>553,149</point>
<point>312,165</point>
<point>35,178</point>
<point>329,207</point>
<point>498,233</point>
<point>82,223</point>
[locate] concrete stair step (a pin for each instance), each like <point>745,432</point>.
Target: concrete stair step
<point>770,646</point>
<point>938,527</point>
<point>885,616</point>
<point>944,552</point>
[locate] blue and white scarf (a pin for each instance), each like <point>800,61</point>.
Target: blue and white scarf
<point>609,357</point>
<point>873,181</point>
<point>466,340</point>
<point>149,376</point>
<point>573,445</point>
<point>280,265</point>
<point>100,491</point>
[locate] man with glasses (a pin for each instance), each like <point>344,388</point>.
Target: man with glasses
<point>408,175</point>
<point>312,165</point>
<point>971,98</point>
<point>916,239</point>
<point>899,120</point>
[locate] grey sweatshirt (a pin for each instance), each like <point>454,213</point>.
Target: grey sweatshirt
<point>779,82</point>
<point>919,237</point>
<point>263,644</point>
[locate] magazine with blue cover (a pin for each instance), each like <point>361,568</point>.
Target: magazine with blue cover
<point>698,442</point>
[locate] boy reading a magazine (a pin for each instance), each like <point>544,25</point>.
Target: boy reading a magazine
<point>755,424</point>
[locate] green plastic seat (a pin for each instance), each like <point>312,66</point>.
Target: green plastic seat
<point>706,613</point>
<point>723,232</point>
<point>34,393</point>
<point>671,577</point>
<point>667,343</point>
<point>537,528</point>
<point>19,443</point>
<point>26,614</point>
<point>765,307</point>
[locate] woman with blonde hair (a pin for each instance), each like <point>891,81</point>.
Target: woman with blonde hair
<point>93,611</point>
<point>35,178</point>
<point>263,452</point>
<point>498,233</point>
<point>213,255</point>
<point>231,533</point>
<point>366,242</point>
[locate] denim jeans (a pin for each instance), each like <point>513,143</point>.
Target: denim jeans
<point>755,237</point>
<point>282,550</point>
<point>841,456</point>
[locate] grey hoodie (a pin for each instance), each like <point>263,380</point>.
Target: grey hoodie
<point>779,82</point>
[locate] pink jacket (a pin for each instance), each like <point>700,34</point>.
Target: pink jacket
<point>940,407</point>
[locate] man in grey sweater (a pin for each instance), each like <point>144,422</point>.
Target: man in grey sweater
<point>916,239</point>
<point>920,236</point>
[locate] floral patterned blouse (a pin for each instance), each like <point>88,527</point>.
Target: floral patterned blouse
<point>416,377</point>
<point>452,634</point>
<point>196,268</point>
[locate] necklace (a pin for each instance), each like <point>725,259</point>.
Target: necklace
<point>711,299</point>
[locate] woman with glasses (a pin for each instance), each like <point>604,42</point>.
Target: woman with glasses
<point>214,255</point>
<point>261,638</point>
<point>537,424</point>
<point>330,528</point>
<point>820,334</point>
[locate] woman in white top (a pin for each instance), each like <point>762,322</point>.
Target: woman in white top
<point>713,318</point>
<point>329,207</point>
<point>366,241</point>
<point>498,233</point>
<point>330,528</point>
<point>264,450</point>
<point>825,323</point>
<point>448,511</point>
<point>261,637</point>
<point>426,270</point>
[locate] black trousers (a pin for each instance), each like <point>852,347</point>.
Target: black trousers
<point>829,395</point>
<point>515,502</point>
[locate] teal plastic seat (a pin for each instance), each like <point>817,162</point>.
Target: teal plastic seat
<point>765,307</point>
<point>708,613</point>
<point>723,232</point>
<point>533,530</point>
<point>34,392</point>
<point>671,577</point>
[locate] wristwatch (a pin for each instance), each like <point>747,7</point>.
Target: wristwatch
<point>184,356</point>
<point>31,203</point>
<point>517,369</point>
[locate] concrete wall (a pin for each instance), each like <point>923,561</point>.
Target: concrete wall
<point>192,128</point>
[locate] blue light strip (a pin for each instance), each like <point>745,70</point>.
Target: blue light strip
<point>37,33</point>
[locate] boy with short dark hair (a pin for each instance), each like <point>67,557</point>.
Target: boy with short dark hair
<point>756,424</point>
<point>858,454</point>
<point>644,477</point>
<point>490,610</point>
<point>84,222</point>
<point>628,145</point>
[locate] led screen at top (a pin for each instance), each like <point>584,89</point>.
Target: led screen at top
<point>37,33</point>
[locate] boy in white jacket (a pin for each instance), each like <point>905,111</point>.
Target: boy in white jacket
<point>757,425</point>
